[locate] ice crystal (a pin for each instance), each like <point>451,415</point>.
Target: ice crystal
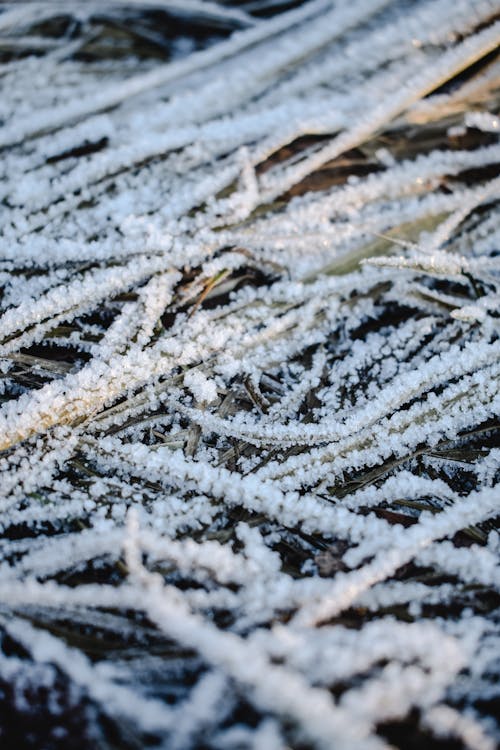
<point>250,374</point>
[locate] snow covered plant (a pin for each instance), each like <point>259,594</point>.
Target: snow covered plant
<point>250,375</point>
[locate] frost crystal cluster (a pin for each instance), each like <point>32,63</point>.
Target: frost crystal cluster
<point>250,374</point>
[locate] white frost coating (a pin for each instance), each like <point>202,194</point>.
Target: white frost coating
<point>250,371</point>
<point>483,121</point>
<point>451,62</point>
<point>203,390</point>
<point>446,722</point>
<point>46,648</point>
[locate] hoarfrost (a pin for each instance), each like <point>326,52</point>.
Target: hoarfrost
<point>250,360</point>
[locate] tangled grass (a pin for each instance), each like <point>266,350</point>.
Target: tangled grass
<point>250,274</point>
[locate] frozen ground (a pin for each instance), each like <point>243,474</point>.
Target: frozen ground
<point>250,274</point>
